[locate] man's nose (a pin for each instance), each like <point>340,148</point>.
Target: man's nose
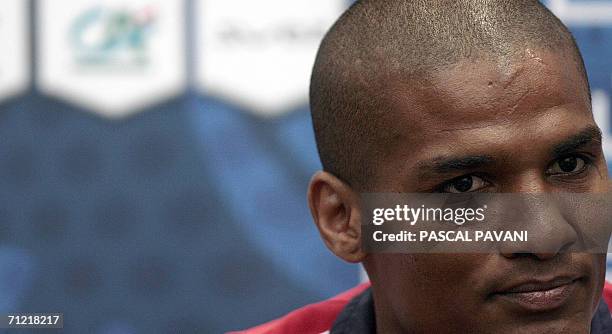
<point>548,231</point>
<point>530,182</point>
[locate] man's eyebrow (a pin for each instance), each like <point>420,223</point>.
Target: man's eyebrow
<point>590,134</point>
<point>443,165</point>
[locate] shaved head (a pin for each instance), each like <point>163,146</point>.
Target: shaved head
<point>377,45</point>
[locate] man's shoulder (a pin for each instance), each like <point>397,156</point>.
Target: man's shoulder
<point>314,318</point>
<point>319,317</point>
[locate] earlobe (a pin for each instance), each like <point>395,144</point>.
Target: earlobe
<point>336,212</point>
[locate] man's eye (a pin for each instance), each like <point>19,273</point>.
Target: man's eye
<point>464,184</point>
<point>567,165</point>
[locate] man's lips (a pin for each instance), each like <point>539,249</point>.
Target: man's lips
<point>540,295</point>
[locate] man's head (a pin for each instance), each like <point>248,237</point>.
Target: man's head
<point>455,96</point>
<point>378,50</point>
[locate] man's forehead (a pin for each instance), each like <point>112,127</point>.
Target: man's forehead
<point>485,92</point>
<point>486,109</point>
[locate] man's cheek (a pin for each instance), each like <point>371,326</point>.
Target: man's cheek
<point>440,274</point>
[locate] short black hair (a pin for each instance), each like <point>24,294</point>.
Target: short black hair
<point>375,41</point>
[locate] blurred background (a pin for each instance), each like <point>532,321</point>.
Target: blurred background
<point>154,157</point>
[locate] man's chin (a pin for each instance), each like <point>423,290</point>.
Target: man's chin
<point>559,326</point>
<point>548,322</point>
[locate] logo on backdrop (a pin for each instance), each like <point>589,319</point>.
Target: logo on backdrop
<point>14,65</point>
<point>113,38</point>
<point>259,54</point>
<point>113,57</point>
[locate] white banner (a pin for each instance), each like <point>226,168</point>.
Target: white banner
<point>113,56</point>
<point>15,55</point>
<point>259,54</point>
<point>585,13</point>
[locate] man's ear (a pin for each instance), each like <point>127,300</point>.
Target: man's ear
<point>336,211</point>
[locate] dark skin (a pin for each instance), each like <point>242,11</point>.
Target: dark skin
<point>509,125</point>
